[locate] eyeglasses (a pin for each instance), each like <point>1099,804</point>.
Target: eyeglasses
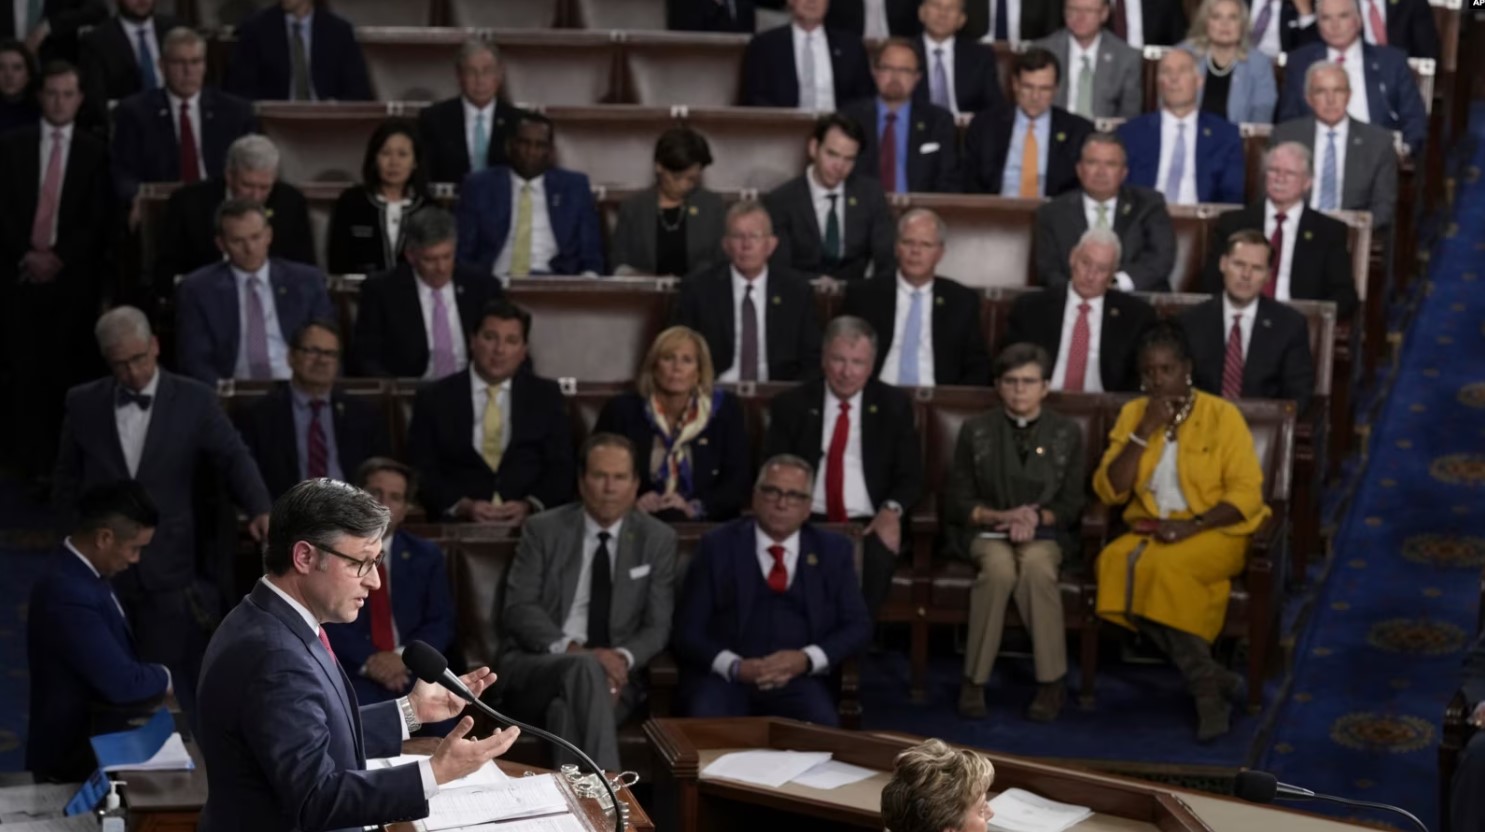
<point>777,494</point>
<point>316,352</point>
<point>363,565</point>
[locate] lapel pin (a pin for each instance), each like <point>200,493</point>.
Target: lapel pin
<point>871,408</point>
<point>556,200</point>
<point>406,554</point>
<point>164,113</point>
<point>778,301</point>
<point>1108,57</point>
<point>1040,451</point>
<point>1309,235</point>
<point>694,211</point>
<point>814,411</point>
<point>1267,323</point>
<point>282,291</point>
<point>701,441</point>
<point>1206,131</point>
<point>1061,136</point>
<point>268,212</point>
<point>1113,313</point>
<point>921,127</point>
<point>938,301</point>
<point>812,559</point>
<point>1125,209</point>
<point>340,408</point>
<point>458,290</point>
<point>851,201</point>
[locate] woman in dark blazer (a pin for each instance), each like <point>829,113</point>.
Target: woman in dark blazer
<point>688,434</point>
<point>675,227</point>
<point>18,84</point>
<point>367,221</point>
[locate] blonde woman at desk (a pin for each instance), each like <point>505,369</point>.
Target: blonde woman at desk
<point>936,788</point>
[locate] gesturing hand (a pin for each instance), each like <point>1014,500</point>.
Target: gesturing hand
<point>458,756</point>
<point>435,703</point>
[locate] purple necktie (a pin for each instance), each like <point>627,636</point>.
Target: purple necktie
<point>443,340</point>
<point>257,333</point>
<point>1265,16</point>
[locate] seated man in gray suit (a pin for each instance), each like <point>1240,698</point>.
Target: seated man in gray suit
<point>588,603</point>
<point>1355,162</point>
<point>1102,200</point>
<point>1101,73</point>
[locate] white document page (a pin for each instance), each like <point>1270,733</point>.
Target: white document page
<point>518,797</point>
<point>554,823</point>
<point>1017,810</point>
<point>488,775</point>
<point>764,768</point>
<point>832,774</point>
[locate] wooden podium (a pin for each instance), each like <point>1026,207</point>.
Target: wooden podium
<point>686,803</point>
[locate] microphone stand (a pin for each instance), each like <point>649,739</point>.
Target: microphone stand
<point>1364,804</point>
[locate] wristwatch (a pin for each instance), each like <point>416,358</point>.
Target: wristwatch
<point>409,715</point>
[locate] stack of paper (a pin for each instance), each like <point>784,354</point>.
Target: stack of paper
<point>517,797</point>
<point>764,768</point>
<point>832,774</point>
<point>487,776</point>
<point>154,747</point>
<point>1021,811</point>
<point>552,823</point>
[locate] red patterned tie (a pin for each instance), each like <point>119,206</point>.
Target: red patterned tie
<point>835,467</point>
<point>1232,366</point>
<point>1275,255</point>
<point>381,613</point>
<point>190,160</point>
<point>46,205</point>
<point>1379,26</point>
<point>325,640</point>
<point>778,576</point>
<point>888,162</point>
<point>318,451</point>
<point>1077,352</point>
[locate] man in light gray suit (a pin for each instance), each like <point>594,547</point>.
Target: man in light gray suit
<point>1361,175</point>
<point>588,604</point>
<point>1100,72</point>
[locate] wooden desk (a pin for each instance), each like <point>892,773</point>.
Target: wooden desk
<point>686,803</point>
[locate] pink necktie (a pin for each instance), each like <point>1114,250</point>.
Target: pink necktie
<point>325,640</point>
<point>257,333</point>
<point>46,206</point>
<point>443,340</point>
<point>1379,26</point>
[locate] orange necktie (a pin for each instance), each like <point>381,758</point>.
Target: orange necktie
<point>1030,157</point>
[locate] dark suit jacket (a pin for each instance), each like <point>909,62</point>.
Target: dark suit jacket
<point>261,70</point>
<point>206,313</point>
<point>484,213</point>
<point>301,767</point>
<point>769,78</point>
<point>634,245</point>
<point>537,465</point>
<point>1143,226</point>
<point>357,240</point>
<point>1219,156</point>
<point>1036,318</point>
<point>710,16</point>
<point>1038,19</point>
<point>1321,269</point>
<point>721,467</point>
<point>932,146</point>
<point>868,235</point>
<point>84,669</point>
<point>110,64</point>
<point>83,217</point>
<point>186,424</point>
<point>976,84</point>
<point>391,338</point>
<point>791,334</point>
<point>1163,21</point>
<point>713,611</point>
<point>145,148</point>
<point>445,151</point>
<point>1278,364</point>
<point>1369,177</point>
<point>959,356</point>
<point>850,16</point>
<point>1410,28</point>
<point>422,609</point>
<point>188,237</point>
<point>891,462</point>
<point>65,17</point>
<point>988,140</point>
<point>1392,96</point>
<point>267,426</point>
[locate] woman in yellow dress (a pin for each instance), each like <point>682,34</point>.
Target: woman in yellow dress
<point>1183,462</point>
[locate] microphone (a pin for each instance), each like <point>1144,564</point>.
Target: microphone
<point>1262,787</point>
<point>430,665</point>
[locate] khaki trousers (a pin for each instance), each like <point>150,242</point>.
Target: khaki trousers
<point>1027,571</point>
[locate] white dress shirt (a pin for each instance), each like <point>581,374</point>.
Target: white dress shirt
<point>1122,281</point>
<point>893,360</point>
<point>1169,126</point>
<point>451,314</point>
<point>278,348</point>
<point>20,14</point>
<point>132,30</point>
<point>543,242</point>
<point>133,423</point>
<point>1092,376</point>
<point>1322,146</point>
<point>1245,322</point>
<point>471,115</point>
<point>480,394</point>
<point>1291,231</point>
<point>575,628</point>
<point>820,198</point>
<point>193,112</point>
<point>1134,22</point>
<point>858,502</point>
<point>819,662</point>
<point>760,304</point>
<point>48,131</point>
<point>876,19</point>
<point>930,46</point>
<point>816,42</point>
<point>1271,44</point>
<point>1355,66</point>
<point>1012,23</point>
<point>392,216</point>
<point>1165,482</point>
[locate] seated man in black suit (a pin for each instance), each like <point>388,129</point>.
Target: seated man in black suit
<point>1245,345</point>
<point>295,52</point>
<point>49,28</point>
<point>304,428</point>
<point>1136,215</point>
<point>1310,257</point>
<point>711,16</point>
<point>805,64</point>
<point>1029,150</point>
<point>859,432</point>
<point>493,445</point>
<point>411,320</point>
<point>121,56</point>
<point>829,222</point>
<point>910,145</point>
<point>1087,326</point>
<point>758,320</point>
<point>187,239</point>
<point>469,131</point>
<point>958,71</point>
<point>928,326</point>
<point>1467,804</point>
<point>874,19</point>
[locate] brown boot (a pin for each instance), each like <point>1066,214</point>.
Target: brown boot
<point>1213,711</point>
<point>1050,697</point>
<point>972,700</point>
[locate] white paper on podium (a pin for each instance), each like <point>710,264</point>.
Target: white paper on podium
<point>517,797</point>
<point>172,756</point>
<point>553,823</point>
<point>488,775</point>
<point>832,774</point>
<point>1017,810</point>
<point>764,767</point>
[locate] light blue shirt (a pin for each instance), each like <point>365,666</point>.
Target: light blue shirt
<point>904,118</point>
<point>306,30</point>
<point>303,412</point>
<point>1010,180</point>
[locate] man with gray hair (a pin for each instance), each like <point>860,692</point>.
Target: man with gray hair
<point>148,424</point>
<point>469,131</point>
<point>186,240</point>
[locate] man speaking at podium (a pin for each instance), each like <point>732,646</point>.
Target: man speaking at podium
<point>284,741</point>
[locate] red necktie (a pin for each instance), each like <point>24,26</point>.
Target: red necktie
<point>1276,254</point>
<point>1121,22</point>
<point>1379,26</point>
<point>381,613</point>
<point>1232,366</point>
<point>835,467</point>
<point>46,206</point>
<point>778,576</point>
<point>888,162</point>
<point>190,163</point>
<point>318,451</point>
<point>325,640</point>
<point>1077,352</point>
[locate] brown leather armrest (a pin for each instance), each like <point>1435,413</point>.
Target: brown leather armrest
<point>662,671</point>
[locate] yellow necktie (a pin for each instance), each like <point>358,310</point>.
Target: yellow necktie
<point>491,429</point>
<point>1029,159</point>
<point>520,258</point>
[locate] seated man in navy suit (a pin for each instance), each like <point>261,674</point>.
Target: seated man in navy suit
<point>1030,148</point>
<point>1189,155</point>
<point>529,217</point>
<point>235,319</point>
<point>306,429</point>
<point>959,72</point>
<point>86,677</point>
<point>806,64</point>
<point>296,52</point>
<point>770,608</point>
<point>411,604</point>
<point>911,145</point>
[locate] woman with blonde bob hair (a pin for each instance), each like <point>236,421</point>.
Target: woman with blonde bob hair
<point>689,434</point>
<point>938,788</point>
<point>1239,77</point>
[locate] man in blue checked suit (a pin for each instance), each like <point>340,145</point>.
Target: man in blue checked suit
<point>86,677</point>
<point>529,217</point>
<point>1189,155</point>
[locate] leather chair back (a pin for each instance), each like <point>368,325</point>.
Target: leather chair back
<point>555,69</point>
<point>752,148</point>
<point>321,142</point>
<point>619,14</point>
<point>507,14</point>
<point>384,12</point>
<point>568,314</point>
<point>410,65</point>
<point>990,241</point>
<point>665,69</point>
<point>1190,223</point>
<point>614,147</point>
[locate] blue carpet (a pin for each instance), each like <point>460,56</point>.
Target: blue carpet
<point>25,540</point>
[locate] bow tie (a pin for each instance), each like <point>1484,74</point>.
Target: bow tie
<point>123,397</point>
